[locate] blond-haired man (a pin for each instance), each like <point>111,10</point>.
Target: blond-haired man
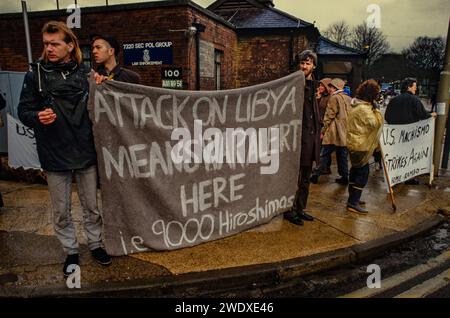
<point>54,103</point>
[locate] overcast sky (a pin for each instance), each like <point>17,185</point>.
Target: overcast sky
<point>401,20</point>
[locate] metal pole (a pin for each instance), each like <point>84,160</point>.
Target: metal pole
<point>442,106</point>
<point>27,31</point>
<point>57,4</point>
<point>197,66</point>
<point>445,157</point>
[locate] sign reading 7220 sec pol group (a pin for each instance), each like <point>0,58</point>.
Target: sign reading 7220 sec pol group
<point>148,53</point>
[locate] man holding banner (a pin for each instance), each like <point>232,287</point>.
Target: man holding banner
<point>310,144</point>
<point>2,105</point>
<point>407,109</point>
<point>105,50</point>
<point>54,103</point>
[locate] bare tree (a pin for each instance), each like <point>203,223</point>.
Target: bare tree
<point>339,32</point>
<point>426,55</point>
<point>370,40</point>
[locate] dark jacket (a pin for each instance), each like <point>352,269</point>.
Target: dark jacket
<point>311,127</point>
<point>120,74</point>
<point>68,142</point>
<point>2,102</point>
<point>405,109</point>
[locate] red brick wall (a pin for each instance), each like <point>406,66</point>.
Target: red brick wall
<point>152,24</point>
<point>224,39</point>
<point>265,58</point>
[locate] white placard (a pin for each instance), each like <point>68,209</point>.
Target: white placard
<point>408,150</point>
<point>21,146</point>
<point>440,109</point>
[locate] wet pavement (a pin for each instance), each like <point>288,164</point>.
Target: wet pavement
<point>31,258</point>
<point>351,277</point>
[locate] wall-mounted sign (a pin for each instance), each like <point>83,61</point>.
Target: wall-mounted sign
<point>206,59</point>
<point>147,53</point>
<point>172,77</point>
<point>440,109</point>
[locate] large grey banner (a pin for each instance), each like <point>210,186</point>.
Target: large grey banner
<point>179,168</point>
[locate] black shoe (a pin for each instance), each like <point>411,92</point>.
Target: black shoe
<point>314,179</point>
<point>343,181</point>
<point>356,209</point>
<point>412,182</point>
<point>305,216</point>
<point>363,203</point>
<point>70,260</point>
<point>293,217</point>
<point>100,255</point>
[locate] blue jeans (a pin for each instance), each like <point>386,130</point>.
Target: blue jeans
<point>325,157</point>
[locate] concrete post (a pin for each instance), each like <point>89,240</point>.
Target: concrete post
<point>442,107</point>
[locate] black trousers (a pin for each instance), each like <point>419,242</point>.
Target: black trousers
<point>301,197</point>
<point>358,180</point>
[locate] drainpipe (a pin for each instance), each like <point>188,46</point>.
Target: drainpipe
<point>27,32</point>
<point>291,52</point>
<point>200,28</point>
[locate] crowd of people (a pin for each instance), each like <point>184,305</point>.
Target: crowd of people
<point>54,103</point>
<point>351,128</point>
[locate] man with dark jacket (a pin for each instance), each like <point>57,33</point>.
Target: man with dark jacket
<point>105,50</point>
<point>2,105</point>
<point>310,143</point>
<point>54,103</point>
<point>406,109</point>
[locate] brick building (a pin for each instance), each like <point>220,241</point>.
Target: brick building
<point>232,43</point>
<point>268,39</point>
<point>152,22</point>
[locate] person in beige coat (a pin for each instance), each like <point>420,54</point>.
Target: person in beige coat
<point>334,132</point>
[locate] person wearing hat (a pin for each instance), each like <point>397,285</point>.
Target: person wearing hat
<point>322,95</point>
<point>105,50</point>
<point>334,132</point>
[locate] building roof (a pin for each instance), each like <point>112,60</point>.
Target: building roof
<point>125,7</point>
<point>258,18</point>
<point>255,14</point>
<point>328,47</point>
